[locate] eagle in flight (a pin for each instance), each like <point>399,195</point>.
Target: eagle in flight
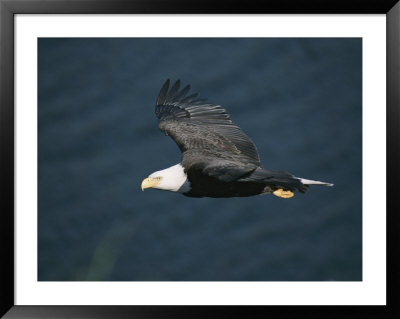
<point>218,158</point>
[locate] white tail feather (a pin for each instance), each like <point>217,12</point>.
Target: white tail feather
<point>311,182</point>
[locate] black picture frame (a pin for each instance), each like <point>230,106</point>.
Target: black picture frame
<point>8,10</point>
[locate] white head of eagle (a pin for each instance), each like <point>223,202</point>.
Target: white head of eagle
<point>218,158</point>
<point>171,179</point>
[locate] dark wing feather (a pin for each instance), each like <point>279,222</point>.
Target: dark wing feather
<point>195,124</point>
<point>163,93</point>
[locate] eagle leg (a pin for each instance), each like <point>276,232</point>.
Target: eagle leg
<point>282,193</point>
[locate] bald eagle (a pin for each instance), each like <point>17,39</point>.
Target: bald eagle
<point>218,159</point>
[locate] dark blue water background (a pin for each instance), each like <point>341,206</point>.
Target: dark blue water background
<point>300,100</point>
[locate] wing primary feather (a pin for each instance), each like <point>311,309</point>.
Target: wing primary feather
<point>182,93</point>
<point>199,102</point>
<point>163,93</point>
<point>190,98</point>
<point>173,91</point>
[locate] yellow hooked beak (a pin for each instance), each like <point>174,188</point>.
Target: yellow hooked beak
<point>150,182</point>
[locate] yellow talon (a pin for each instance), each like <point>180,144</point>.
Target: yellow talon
<point>282,193</point>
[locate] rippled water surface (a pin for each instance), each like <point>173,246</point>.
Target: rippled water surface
<point>298,99</point>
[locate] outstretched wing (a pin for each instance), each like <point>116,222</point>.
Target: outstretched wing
<point>195,124</point>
